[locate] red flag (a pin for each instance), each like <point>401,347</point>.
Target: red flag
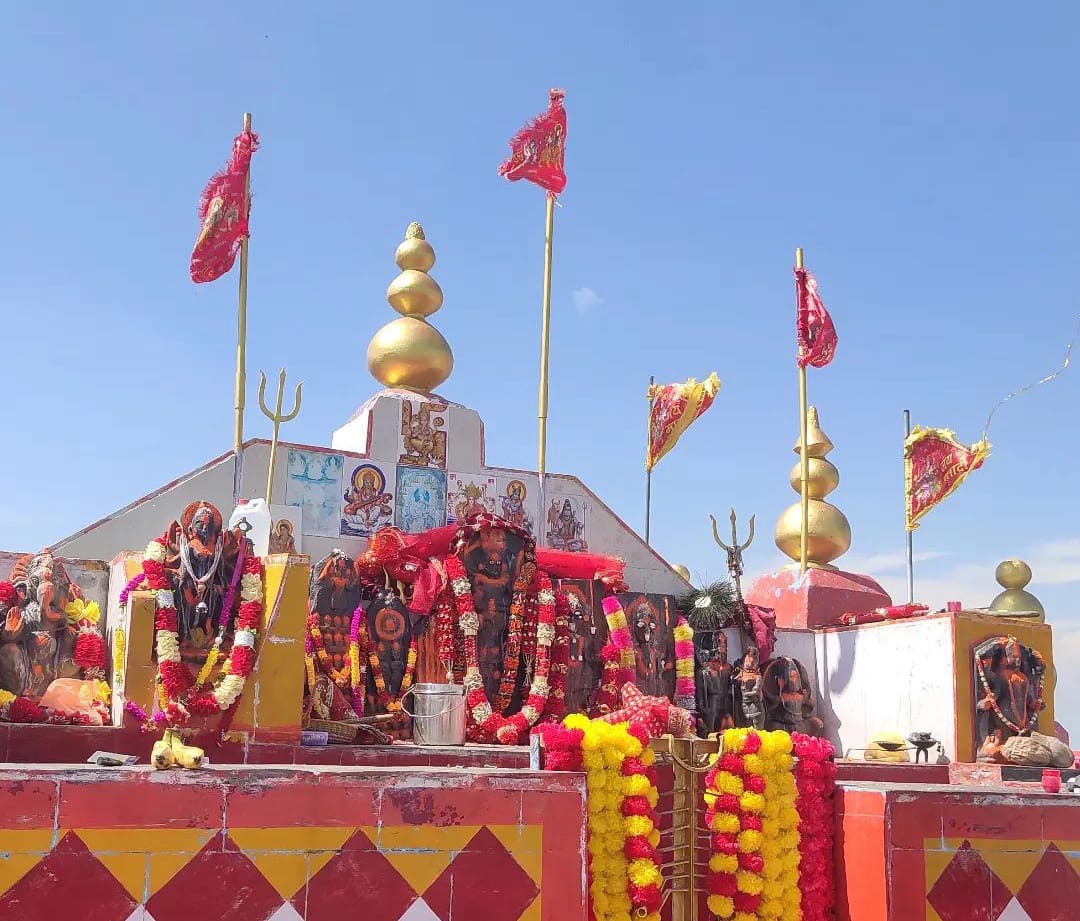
<point>814,327</point>
<point>221,214</point>
<point>935,464</point>
<point>537,149</point>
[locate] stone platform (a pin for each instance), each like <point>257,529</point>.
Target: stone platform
<point>919,852</point>
<point>287,843</point>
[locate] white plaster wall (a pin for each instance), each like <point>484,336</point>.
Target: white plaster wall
<point>131,527</point>
<point>887,677</point>
<point>377,423</point>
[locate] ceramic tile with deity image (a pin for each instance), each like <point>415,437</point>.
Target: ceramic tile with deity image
<point>421,499</point>
<point>469,494</point>
<point>314,485</point>
<point>518,500</point>
<point>367,499</point>
<point>423,434</point>
<point>565,523</point>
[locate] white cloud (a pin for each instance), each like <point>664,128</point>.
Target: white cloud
<point>886,562</point>
<point>585,299</point>
<point>1056,562</point>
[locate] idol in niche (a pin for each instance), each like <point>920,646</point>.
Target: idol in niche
<point>499,620</point>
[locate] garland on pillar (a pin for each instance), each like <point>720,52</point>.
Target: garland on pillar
<point>623,870</point>
<point>770,820</point>
<point>815,783</point>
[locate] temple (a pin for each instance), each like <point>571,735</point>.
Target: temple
<point>384,676</point>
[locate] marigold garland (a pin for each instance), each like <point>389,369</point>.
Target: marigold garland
<point>685,692</point>
<point>623,868</point>
<point>618,656</point>
<point>179,696</point>
<point>815,782</point>
<point>750,795</point>
<point>485,722</point>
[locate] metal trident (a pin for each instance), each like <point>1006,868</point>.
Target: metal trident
<point>734,551</point>
<point>277,418</point>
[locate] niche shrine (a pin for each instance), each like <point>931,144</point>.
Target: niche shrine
<point>382,676</point>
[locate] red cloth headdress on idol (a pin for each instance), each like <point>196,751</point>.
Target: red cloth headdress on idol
<point>538,150</point>
<point>415,559</point>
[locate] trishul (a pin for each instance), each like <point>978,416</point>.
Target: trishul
<point>734,551</point>
<point>277,418</point>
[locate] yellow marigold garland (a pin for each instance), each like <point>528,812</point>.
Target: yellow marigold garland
<point>750,795</point>
<point>623,871</point>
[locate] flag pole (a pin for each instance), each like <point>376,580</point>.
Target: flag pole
<point>804,459</point>
<point>910,553</point>
<point>241,320</point>
<point>545,335</point>
<point>648,468</point>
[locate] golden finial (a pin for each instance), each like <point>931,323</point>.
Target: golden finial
<point>829,534</point>
<point>683,572</point>
<point>1013,576</point>
<point>409,352</point>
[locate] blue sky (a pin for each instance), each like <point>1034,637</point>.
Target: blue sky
<point>925,157</point>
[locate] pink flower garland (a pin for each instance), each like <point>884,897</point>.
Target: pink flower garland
<point>685,692</point>
<point>815,782</point>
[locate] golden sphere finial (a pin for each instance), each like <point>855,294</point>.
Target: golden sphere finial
<point>1016,601</point>
<point>1013,574</point>
<point>682,571</point>
<point>409,352</point>
<point>829,534</point>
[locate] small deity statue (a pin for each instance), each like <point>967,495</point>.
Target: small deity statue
<point>495,562</point>
<point>333,595</point>
<point>748,680</point>
<point>390,634</point>
<point>282,539</point>
<point>644,623</point>
<point>584,674</point>
<point>713,687</point>
<point>36,642</point>
<point>789,699</point>
<point>1008,692</point>
<point>200,560</point>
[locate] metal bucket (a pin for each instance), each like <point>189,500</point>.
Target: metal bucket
<point>440,713</point>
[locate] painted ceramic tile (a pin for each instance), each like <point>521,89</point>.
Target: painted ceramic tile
<point>518,501</point>
<point>564,523</point>
<point>421,499</point>
<point>286,529</point>
<point>469,494</point>
<point>315,486</point>
<point>423,434</point>
<point>367,502</point>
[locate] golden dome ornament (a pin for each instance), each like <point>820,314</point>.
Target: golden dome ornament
<point>1015,601</point>
<point>828,532</point>
<point>409,352</point>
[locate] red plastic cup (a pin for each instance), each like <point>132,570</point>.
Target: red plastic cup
<point>953,607</point>
<point>1051,781</point>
